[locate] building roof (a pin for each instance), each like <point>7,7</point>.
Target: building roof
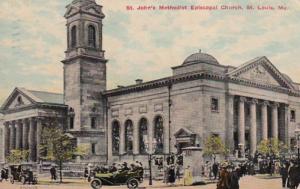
<point>48,97</point>
<point>200,58</point>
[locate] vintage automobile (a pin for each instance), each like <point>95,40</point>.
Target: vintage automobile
<point>130,178</point>
<point>19,174</point>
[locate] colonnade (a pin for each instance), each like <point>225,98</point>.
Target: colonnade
<point>253,122</point>
<point>23,134</point>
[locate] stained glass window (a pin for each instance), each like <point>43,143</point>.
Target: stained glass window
<point>115,137</point>
<point>128,136</point>
<point>158,135</point>
<point>143,135</point>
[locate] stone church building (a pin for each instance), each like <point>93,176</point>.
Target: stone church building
<point>243,105</point>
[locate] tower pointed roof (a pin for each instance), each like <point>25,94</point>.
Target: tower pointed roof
<point>84,6</point>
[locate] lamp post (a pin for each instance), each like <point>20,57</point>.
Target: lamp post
<point>150,160</point>
<point>298,145</point>
<point>150,169</point>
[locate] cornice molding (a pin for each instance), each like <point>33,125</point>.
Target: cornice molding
<point>194,76</point>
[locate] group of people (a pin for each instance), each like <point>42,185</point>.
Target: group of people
<point>172,173</point>
<point>230,174</point>
<point>4,174</point>
<point>90,170</point>
<point>229,177</point>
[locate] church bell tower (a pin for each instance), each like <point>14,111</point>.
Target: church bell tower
<point>85,75</point>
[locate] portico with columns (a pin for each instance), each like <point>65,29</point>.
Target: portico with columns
<point>258,120</point>
<point>25,114</point>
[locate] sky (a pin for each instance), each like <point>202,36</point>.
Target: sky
<point>144,44</point>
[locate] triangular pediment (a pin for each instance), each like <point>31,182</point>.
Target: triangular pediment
<point>71,10</point>
<point>262,71</point>
<point>183,132</point>
<point>94,9</point>
<point>17,99</point>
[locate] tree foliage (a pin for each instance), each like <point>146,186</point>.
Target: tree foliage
<point>272,145</point>
<point>18,156</point>
<point>83,150</point>
<point>214,145</point>
<point>56,146</point>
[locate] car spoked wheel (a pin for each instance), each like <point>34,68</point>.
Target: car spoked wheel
<point>133,183</point>
<point>23,180</point>
<point>96,184</point>
<point>12,180</point>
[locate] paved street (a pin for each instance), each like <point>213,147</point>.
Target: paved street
<point>247,182</point>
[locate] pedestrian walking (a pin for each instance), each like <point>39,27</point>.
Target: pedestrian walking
<point>188,177</point>
<point>178,172</point>
<point>234,179</point>
<point>53,173</point>
<point>215,169</point>
<point>284,174</point>
<point>86,173</point>
<point>223,182</point>
<point>171,175</point>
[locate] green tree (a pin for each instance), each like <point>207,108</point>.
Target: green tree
<point>214,145</point>
<point>272,145</point>
<point>83,150</point>
<point>57,146</point>
<point>17,156</point>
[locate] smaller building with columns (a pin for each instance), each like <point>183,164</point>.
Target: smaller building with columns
<point>26,112</point>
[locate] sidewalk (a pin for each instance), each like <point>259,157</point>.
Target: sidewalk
<point>160,184</point>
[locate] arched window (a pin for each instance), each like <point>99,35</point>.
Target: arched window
<point>92,36</point>
<point>115,137</point>
<point>73,36</point>
<point>128,136</point>
<point>158,135</point>
<point>143,135</point>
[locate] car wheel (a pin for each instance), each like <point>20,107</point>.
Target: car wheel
<point>23,180</point>
<point>12,180</point>
<point>132,183</point>
<point>96,184</point>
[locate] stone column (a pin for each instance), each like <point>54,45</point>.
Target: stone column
<point>150,137</point>
<point>39,128</point>
<point>25,134</point>
<point>241,126</point>
<point>109,141</point>
<point>275,120</point>
<point>253,127</point>
<point>19,135</point>
<point>229,122</point>
<point>12,138</point>
<point>31,140</point>
<point>136,138</point>
<point>286,125</point>
<point>122,140</point>
<point>6,138</point>
<point>264,119</point>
